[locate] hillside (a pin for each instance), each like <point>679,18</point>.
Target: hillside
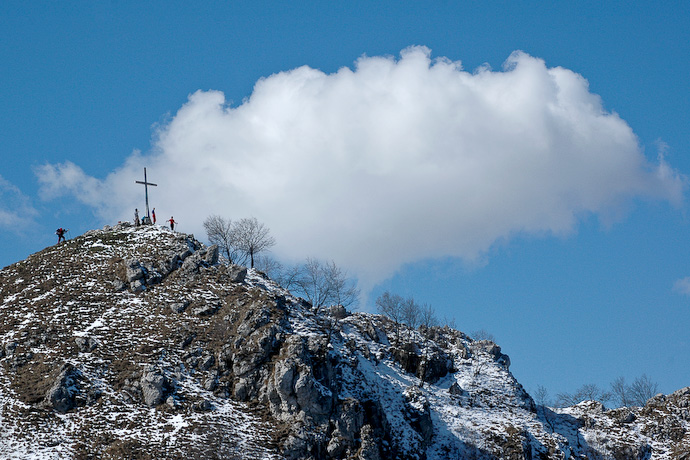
<point>135,343</point>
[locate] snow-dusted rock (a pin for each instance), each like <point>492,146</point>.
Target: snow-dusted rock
<point>213,361</point>
<point>179,307</point>
<point>62,395</point>
<point>369,449</point>
<point>489,347</point>
<point>134,271</point>
<point>86,344</point>
<point>153,387</point>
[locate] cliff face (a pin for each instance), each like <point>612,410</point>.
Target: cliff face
<point>135,343</point>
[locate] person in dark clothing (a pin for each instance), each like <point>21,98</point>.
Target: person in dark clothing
<point>60,232</point>
<point>172,223</point>
<point>137,222</point>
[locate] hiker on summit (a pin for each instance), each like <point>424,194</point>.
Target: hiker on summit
<point>172,223</point>
<point>60,232</point>
<point>137,222</point>
<point>153,214</point>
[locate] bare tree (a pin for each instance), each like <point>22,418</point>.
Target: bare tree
<point>587,392</point>
<point>410,312</point>
<point>406,311</point>
<point>391,305</point>
<point>449,321</point>
<point>483,334</point>
<point>313,283</point>
<point>251,237</point>
<point>343,289</point>
<point>290,278</point>
<point>541,397</point>
<point>621,392</point>
<point>427,317</point>
<point>642,389</point>
<point>220,232</point>
<point>321,283</point>
<point>270,266</point>
<point>636,394</point>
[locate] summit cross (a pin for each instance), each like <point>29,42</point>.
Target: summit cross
<point>146,189</point>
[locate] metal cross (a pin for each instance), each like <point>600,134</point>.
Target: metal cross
<point>146,188</point>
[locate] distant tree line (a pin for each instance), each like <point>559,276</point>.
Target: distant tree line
<point>635,394</point>
<point>405,311</point>
<point>624,395</point>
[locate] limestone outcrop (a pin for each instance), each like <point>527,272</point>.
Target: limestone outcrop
<point>136,343</point>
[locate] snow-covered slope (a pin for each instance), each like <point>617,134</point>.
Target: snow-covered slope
<point>134,343</point>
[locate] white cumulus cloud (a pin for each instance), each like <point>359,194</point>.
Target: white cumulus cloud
<point>390,162</point>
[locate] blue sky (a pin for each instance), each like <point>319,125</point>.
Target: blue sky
<point>582,290</point>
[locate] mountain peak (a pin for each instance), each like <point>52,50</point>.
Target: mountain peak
<point>133,342</point>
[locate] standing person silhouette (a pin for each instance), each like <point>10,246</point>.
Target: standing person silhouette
<point>60,232</point>
<point>153,214</point>
<point>172,223</point>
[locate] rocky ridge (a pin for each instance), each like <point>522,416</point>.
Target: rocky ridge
<point>135,343</point>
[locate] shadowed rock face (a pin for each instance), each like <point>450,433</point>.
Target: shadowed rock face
<point>134,343</point>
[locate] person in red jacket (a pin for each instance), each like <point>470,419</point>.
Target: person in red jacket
<point>172,223</point>
<point>60,232</point>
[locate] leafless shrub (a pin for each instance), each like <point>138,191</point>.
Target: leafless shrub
<point>635,394</point>
<point>322,284</point>
<point>483,334</point>
<point>587,392</point>
<point>251,237</point>
<point>219,231</point>
<point>241,241</point>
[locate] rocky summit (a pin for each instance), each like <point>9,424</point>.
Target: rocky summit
<point>136,343</point>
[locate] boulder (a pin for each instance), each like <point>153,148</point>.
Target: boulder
<point>86,344</point>
<point>336,446</point>
<point>134,270</point>
<point>203,406</point>
<point>207,361</point>
<point>138,285</point>
<point>435,365</point>
<point>313,397</point>
<point>179,307</point>
<point>338,312</point>
<point>153,387</point>
<point>293,388</point>
<point>210,384</point>
<point>205,257</point>
<point>350,419</point>
<point>211,256</point>
<point>489,347</point>
<point>236,273</point>
<point>206,309</point>
<point>62,395</point>
<point>456,390</point>
<point>408,356</point>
